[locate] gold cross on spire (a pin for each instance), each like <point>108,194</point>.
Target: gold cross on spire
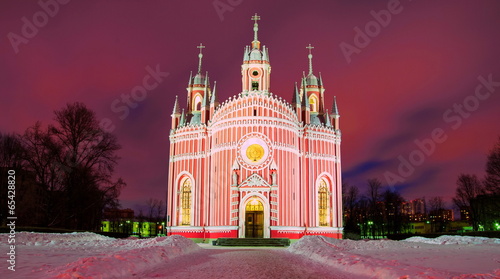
<point>310,56</point>
<point>255,17</point>
<point>310,48</point>
<point>201,47</point>
<point>255,29</point>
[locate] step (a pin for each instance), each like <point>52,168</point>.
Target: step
<point>282,242</point>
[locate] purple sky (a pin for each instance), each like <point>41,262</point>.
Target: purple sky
<point>405,82</point>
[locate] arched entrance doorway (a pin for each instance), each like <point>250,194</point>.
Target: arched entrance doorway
<point>254,219</point>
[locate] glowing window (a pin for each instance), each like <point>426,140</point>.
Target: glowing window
<point>323,204</point>
<point>254,205</point>
<point>313,101</point>
<point>186,202</point>
<point>197,102</point>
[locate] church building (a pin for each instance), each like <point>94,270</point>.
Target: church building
<point>255,166</point>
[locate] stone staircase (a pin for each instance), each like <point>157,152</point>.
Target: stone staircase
<point>280,242</point>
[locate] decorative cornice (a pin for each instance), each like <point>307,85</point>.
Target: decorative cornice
<point>254,180</point>
<point>250,99</point>
<point>188,156</point>
<point>321,156</point>
<point>265,121</point>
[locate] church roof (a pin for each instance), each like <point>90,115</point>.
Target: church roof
<point>198,79</point>
<point>312,80</point>
<point>255,54</point>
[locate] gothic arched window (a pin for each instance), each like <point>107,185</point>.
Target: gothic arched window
<point>197,102</point>
<point>313,101</point>
<point>186,202</point>
<point>323,204</point>
<point>255,85</point>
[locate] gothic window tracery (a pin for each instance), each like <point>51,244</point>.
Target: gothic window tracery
<point>186,202</point>
<point>323,203</point>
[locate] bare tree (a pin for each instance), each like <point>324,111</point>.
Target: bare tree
<point>436,214</point>
<point>11,154</point>
<point>86,160</point>
<point>375,214</point>
<point>393,217</point>
<point>160,211</point>
<point>155,209</point>
<point>11,151</point>
<point>468,189</point>
<point>374,188</point>
<point>41,155</point>
<point>492,179</point>
<point>350,199</point>
<point>436,203</point>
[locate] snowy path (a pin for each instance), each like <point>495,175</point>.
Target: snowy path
<point>242,263</point>
<point>88,255</point>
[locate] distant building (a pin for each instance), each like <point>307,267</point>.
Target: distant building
<point>441,215</point>
<point>415,209</point>
<point>464,214</point>
<point>418,228</point>
<point>428,227</point>
<point>123,221</point>
<point>134,227</point>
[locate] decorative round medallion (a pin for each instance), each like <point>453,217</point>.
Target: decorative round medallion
<point>255,72</point>
<point>254,151</point>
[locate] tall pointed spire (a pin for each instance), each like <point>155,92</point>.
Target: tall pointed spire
<point>246,54</point>
<point>264,54</point>
<point>310,56</point>
<point>182,121</point>
<point>335,110</point>
<point>190,78</point>
<point>176,107</point>
<point>200,56</point>
<point>255,43</point>
<point>305,98</point>
<point>204,102</point>
<point>296,96</point>
<point>327,119</point>
<point>213,99</point>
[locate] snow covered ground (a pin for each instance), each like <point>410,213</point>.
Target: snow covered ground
<point>416,257</point>
<point>88,255</point>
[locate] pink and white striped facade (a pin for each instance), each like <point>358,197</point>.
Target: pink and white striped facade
<point>255,148</point>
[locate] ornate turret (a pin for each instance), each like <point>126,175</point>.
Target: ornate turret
<point>199,108</point>
<point>198,87</point>
<point>198,94</point>
<point>255,70</point>
<point>312,94</point>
